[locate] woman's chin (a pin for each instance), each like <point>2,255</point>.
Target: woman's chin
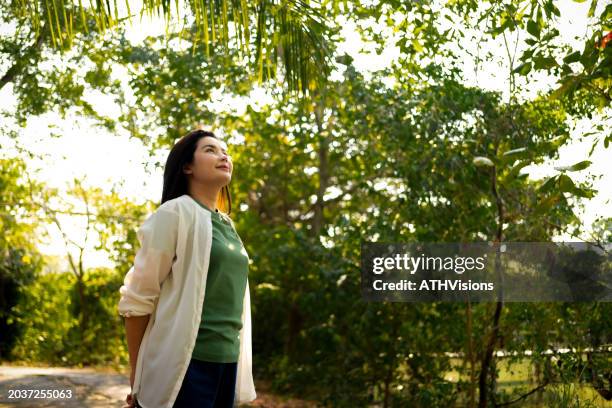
<point>226,180</point>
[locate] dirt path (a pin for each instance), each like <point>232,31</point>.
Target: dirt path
<point>89,387</point>
<point>95,388</point>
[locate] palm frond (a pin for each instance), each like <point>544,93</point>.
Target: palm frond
<point>291,34</point>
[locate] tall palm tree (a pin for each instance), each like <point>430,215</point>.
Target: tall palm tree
<point>287,33</point>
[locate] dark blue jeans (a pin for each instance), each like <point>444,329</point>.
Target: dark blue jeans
<point>207,385</point>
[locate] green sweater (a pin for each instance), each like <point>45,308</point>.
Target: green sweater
<point>218,336</point>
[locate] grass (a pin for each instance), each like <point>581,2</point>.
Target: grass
<point>515,379</point>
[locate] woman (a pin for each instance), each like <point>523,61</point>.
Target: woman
<point>186,299</point>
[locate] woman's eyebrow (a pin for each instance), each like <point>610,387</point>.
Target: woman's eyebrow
<point>213,146</point>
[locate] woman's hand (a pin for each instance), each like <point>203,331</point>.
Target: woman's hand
<point>131,402</point>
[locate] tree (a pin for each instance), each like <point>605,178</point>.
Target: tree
<point>46,79</point>
<point>107,217</point>
<point>267,33</point>
<point>20,261</point>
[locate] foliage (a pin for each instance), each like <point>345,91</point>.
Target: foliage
<point>20,261</point>
<point>48,317</point>
<point>45,319</point>
<point>268,34</point>
<point>410,153</point>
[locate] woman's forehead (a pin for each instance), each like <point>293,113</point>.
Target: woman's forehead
<point>207,140</point>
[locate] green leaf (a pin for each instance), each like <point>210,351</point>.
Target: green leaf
<point>527,54</point>
<point>516,152</point>
<point>575,167</point>
<point>514,172</point>
<point>566,184</point>
<point>586,193</point>
<point>606,14</point>
<point>533,28</point>
<point>548,184</point>
<point>417,45</point>
<point>592,8</point>
<point>589,55</point>
<point>545,62</point>
<point>546,204</point>
<point>548,9</point>
<point>523,69</point>
<point>550,35</point>
<point>481,161</point>
<point>595,143</point>
<point>568,86</point>
<point>573,57</point>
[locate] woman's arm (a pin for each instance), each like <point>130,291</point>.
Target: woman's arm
<point>142,283</point>
<point>135,327</point>
<point>141,287</point>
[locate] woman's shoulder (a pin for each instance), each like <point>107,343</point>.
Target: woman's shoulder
<point>177,205</point>
<point>169,212</point>
<point>184,205</point>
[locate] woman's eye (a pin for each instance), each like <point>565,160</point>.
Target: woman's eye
<point>212,150</point>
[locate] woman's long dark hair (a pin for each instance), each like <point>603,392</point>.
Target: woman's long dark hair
<point>175,181</point>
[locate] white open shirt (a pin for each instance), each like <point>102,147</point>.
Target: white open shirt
<point>168,281</point>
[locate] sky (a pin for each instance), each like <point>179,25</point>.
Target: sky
<point>105,159</point>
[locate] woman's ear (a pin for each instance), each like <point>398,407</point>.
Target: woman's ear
<point>187,169</point>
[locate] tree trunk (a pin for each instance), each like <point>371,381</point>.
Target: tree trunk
<point>83,308</point>
<point>487,357</point>
<point>471,357</point>
<point>317,221</point>
<point>295,325</point>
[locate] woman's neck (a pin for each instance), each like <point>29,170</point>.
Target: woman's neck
<point>207,197</point>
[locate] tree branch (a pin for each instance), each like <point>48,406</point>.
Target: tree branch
<point>522,397</point>
<point>17,67</point>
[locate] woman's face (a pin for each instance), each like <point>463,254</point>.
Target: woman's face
<point>211,163</point>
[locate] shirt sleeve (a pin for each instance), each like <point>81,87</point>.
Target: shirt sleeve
<point>152,264</point>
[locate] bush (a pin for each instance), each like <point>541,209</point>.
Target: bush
<point>49,321</point>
